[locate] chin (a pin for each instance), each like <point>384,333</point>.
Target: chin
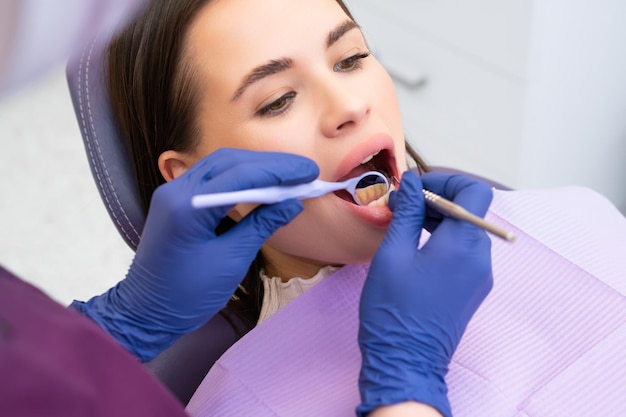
<point>362,251</point>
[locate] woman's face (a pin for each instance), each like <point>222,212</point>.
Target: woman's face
<point>296,76</point>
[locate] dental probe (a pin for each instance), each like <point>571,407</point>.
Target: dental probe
<point>448,208</point>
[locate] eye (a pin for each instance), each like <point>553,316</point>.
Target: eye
<point>352,63</point>
<point>278,106</point>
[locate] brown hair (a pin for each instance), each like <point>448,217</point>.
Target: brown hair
<point>153,95</point>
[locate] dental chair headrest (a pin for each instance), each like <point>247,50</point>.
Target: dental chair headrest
<point>107,155</point>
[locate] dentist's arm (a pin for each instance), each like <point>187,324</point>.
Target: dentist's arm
<point>416,303</point>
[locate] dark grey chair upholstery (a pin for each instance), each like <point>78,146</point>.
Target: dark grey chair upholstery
<point>183,366</point>
<point>108,158</point>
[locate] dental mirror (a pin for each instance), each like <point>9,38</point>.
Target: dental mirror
<point>368,187</point>
<point>364,189</point>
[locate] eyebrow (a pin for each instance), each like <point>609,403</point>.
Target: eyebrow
<point>339,31</point>
<point>279,65</point>
<point>273,67</point>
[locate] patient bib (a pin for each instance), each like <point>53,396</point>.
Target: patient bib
<point>549,340</point>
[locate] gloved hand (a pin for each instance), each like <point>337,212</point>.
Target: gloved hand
<point>416,304</point>
<point>182,273</point>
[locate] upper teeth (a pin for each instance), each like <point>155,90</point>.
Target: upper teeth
<point>369,158</point>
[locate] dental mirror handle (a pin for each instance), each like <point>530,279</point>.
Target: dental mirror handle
<point>268,195</point>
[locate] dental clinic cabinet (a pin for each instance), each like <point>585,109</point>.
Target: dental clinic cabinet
<point>530,93</point>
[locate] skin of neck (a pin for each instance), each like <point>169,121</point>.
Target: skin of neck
<point>287,266</point>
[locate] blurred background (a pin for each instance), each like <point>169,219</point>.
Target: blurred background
<point>527,93</point>
<point>54,229</point>
<point>530,93</point>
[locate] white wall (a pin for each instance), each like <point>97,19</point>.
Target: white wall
<point>530,93</point>
<point>575,130</point>
<point>54,230</point>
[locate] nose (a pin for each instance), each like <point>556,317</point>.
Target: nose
<point>345,108</point>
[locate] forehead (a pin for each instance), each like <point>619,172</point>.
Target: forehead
<point>246,19</point>
<point>244,33</point>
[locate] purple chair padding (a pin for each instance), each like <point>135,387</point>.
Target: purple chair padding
<point>550,340</point>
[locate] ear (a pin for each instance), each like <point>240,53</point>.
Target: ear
<point>173,164</point>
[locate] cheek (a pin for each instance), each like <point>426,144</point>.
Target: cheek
<point>327,234</point>
<point>387,101</point>
<point>291,134</point>
<point>389,108</point>
<point>393,122</point>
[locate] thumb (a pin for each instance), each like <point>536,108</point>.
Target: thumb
<point>408,213</point>
<point>254,229</point>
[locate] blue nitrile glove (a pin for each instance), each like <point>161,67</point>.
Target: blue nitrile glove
<point>182,273</point>
<point>416,304</point>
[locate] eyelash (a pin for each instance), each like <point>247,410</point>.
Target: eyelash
<point>269,110</point>
<point>354,61</point>
<point>283,102</point>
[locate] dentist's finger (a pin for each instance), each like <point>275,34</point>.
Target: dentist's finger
<point>473,195</point>
<point>408,213</point>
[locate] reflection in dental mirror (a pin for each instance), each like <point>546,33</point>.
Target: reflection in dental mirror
<point>371,187</point>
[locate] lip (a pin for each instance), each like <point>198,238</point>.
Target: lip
<point>372,145</point>
<point>378,216</point>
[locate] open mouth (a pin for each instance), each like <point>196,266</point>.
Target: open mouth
<point>375,195</point>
